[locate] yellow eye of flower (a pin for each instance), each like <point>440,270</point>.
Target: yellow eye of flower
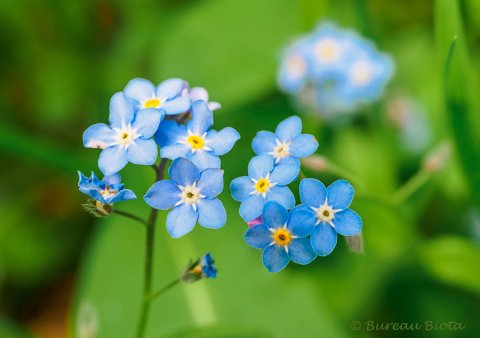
<point>282,236</point>
<point>196,142</point>
<point>152,103</point>
<point>262,185</point>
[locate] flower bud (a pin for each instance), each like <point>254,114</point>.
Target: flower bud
<point>315,162</point>
<point>201,268</point>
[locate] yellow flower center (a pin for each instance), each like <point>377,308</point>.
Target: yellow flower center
<point>262,185</point>
<point>325,213</point>
<point>196,142</point>
<point>282,236</point>
<point>190,194</point>
<point>152,103</point>
<point>326,50</point>
<point>281,150</point>
<point>108,192</point>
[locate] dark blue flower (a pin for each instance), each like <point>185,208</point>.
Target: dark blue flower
<point>208,267</point>
<point>107,191</point>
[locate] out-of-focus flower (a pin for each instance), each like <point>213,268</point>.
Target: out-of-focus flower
<point>200,93</point>
<point>436,160</point>
<point>265,182</point>
<point>195,140</point>
<point>166,96</point>
<point>286,142</point>
<point>191,195</point>
<point>201,268</point>
<point>329,208</point>
<point>282,236</point>
<point>107,191</point>
<point>127,139</point>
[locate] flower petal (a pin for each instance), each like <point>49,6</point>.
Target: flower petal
<point>112,160</point>
<point>139,89</point>
<point>142,151</point>
<point>181,220</point>
<point>340,194</point>
<point>121,111</point>
<point>163,195</point>
<point>174,151</point>
<point>347,223</point>
<point>241,188</point>
<point>258,236</point>
<point>176,106</point>
<point>204,160</point>
<point>212,105</point>
<point>251,207</point>
<point>274,215</point>
<point>183,172</point>
<point>147,121</point>
<point>289,128</point>
<point>312,192</point>
<point>222,142</point>
<point>286,172</point>
<point>123,195</point>
<point>211,213</point>
<point>98,136</point>
<point>323,239</point>
<point>282,195</point>
<point>275,258</point>
<point>169,133</point>
<point>260,166</point>
<point>202,118</point>
<point>301,222</point>
<point>303,145</point>
<point>263,142</point>
<point>301,252</point>
<point>210,182</point>
<point>198,93</point>
<point>112,179</point>
<point>170,88</point>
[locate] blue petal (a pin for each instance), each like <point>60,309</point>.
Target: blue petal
<point>112,179</point>
<point>263,142</point>
<point>312,192</point>
<point>303,145</point>
<point>323,239</point>
<point>204,160</point>
<point>112,160</point>
<point>251,207</point>
<point>82,179</point>
<point>274,215</point>
<point>301,252</point>
<point>174,151</point>
<point>121,111</point>
<point>241,188</point>
<point>95,180</point>
<point>340,194</point>
<point>139,89</point>
<point>289,128</point>
<point>169,133</point>
<point>181,220</point>
<point>142,151</point>
<point>147,122</point>
<point>163,195</point>
<point>210,183</point>
<point>281,195</point>
<point>93,193</point>
<point>285,172</point>
<point>301,223</point>
<point>347,223</point>
<point>223,141</point>
<point>98,136</point>
<point>211,213</point>
<point>176,106</point>
<point>202,118</point>
<point>275,258</point>
<point>198,93</point>
<point>123,195</point>
<point>258,236</point>
<point>183,172</point>
<point>170,88</point>
<point>260,166</point>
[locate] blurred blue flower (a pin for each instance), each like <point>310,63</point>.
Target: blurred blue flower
<point>282,236</point>
<point>166,96</point>
<point>107,191</point>
<point>127,139</point>
<point>195,140</point>
<point>265,182</point>
<point>329,208</point>
<point>287,142</point>
<point>191,195</point>
<point>208,267</point>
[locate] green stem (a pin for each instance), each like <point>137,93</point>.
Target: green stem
<point>129,215</point>
<point>163,290</point>
<point>411,186</point>
<point>341,172</point>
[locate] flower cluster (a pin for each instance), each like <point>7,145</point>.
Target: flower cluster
<point>333,70</point>
<point>283,231</point>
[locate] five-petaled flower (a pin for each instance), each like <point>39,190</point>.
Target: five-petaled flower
<point>265,182</point>
<point>127,139</point>
<point>287,142</point>
<point>166,96</point>
<point>329,208</point>
<point>282,236</point>
<point>191,195</point>
<point>107,191</point>
<point>194,140</point>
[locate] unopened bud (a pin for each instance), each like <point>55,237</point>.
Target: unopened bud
<point>436,159</point>
<point>201,268</point>
<point>355,243</point>
<point>315,162</point>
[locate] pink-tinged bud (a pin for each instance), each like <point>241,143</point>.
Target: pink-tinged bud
<point>436,160</point>
<point>315,162</point>
<point>256,221</point>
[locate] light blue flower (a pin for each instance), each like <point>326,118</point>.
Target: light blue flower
<point>191,195</point>
<point>287,142</point>
<point>265,182</point>
<point>329,208</point>
<point>166,96</point>
<point>127,139</point>
<point>107,191</point>
<point>200,93</point>
<point>195,140</point>
<point>282,236</point>
<point>293,71</point>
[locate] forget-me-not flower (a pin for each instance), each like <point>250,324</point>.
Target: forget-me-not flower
<point>329,208</point>
<point>286,142</point>
<point>192,196</point>
<point>127,139</point>
<point>265,182</point>
<point>166,96</point>
<point>282,236</point>
<point>107,191</point>
<point>195,140</point>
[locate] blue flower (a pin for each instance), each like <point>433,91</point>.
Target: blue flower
<point>127,139</point>
<point>293,71</point>
<point>195,140</point>
<point>265,182</point>
<point>191,195</point>
<point>166,96</point>
<point>287,142</point>
<point>200,93</point>
<point>208,267</point>
<point>329,208</point>
<point>107,191</point>
<point>282,236</point>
